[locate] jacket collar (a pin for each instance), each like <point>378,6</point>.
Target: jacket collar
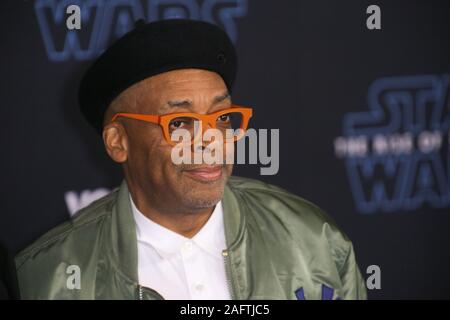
<point>234,219</point>
<point>122,236</point>
<point>123,239</point>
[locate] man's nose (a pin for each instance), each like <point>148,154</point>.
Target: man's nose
<point>199,144</point>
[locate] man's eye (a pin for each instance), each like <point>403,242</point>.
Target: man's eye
<point>176,124</point>
<point>224,118</point>
<point>180,123</point>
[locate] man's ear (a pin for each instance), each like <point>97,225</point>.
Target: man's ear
<point>116,142</point>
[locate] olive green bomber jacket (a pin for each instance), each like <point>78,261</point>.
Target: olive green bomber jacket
<point>279,246</point>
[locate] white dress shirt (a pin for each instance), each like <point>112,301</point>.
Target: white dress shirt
<point>178,267</point>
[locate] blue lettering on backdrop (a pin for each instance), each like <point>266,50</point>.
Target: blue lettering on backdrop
<point>393,180</point>
<point>103,20</point>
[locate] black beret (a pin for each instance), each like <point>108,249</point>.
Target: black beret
<point>150,49</point>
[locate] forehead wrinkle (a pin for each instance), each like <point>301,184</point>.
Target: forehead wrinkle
<point>141,94</point>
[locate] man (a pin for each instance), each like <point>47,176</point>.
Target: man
<point>182,231</point>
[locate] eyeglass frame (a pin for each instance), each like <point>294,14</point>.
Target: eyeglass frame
<point>164,120</point>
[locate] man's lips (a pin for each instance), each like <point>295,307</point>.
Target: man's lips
<point>205,173</point>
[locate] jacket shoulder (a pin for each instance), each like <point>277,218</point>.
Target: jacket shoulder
<point>272,196</point>
<point>83,220</point>
<point>290,218</point>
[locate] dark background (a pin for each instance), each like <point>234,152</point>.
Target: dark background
<point>304,65</point>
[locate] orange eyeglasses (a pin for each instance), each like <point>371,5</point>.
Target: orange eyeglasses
<point>235,118</point>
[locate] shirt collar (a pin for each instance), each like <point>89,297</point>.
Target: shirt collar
<point>210,238</point>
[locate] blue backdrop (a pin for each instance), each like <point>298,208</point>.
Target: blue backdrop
<point>364,117</point>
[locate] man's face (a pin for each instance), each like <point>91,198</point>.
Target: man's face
<point>146,155</point>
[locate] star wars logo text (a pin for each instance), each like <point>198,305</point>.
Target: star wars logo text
<point>103,21</point>
<point>397,153</point>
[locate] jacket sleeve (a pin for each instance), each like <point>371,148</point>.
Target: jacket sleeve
<point>353,283</point>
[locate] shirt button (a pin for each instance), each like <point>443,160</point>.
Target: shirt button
<point>199,287</point>
<point>188,246</point>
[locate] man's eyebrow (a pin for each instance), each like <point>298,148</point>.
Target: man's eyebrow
<point>222,97</point>
<point>188,103</point>
<point>179,103</point>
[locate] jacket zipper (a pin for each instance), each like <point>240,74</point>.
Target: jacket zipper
<point>141,293</point>
<point>228,274</point>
